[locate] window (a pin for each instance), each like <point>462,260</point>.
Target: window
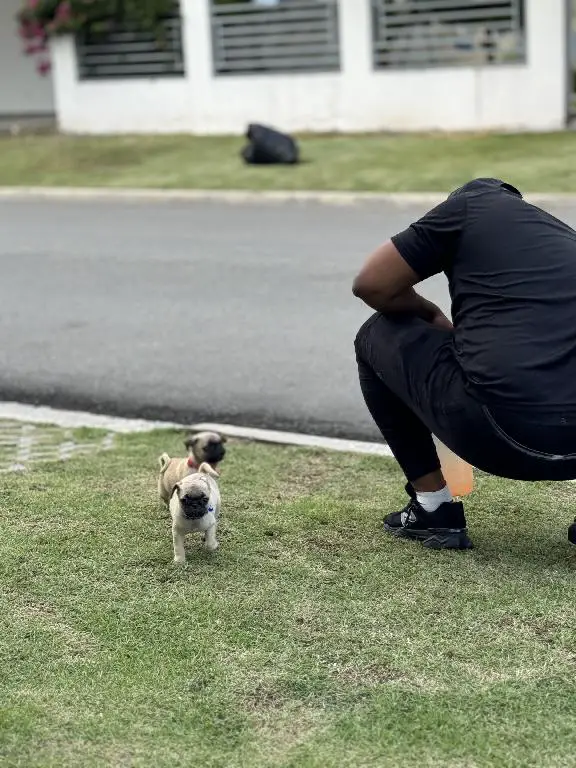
<point>121,51</point>
<point>270,37</point>
<point>425,33</point>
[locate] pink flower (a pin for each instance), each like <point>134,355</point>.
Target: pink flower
<point>29,30</point>
<point>33,48</point>
<point>32,4</point>
<point>44,67</point>
<point>63,11</point>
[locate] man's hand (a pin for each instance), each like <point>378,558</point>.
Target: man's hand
<point>439,320</point>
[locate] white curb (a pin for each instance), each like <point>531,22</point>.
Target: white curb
<point>74,419</point>
<point>231,196</point>
<point>237,196</point>
<point>297,439</point>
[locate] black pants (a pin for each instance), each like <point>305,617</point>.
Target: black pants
<point>413,387</point>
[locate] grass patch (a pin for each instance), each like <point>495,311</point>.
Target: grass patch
<point>376,162</point>
<point>310,640</point>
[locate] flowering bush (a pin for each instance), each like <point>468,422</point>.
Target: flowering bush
<point>38,20</point>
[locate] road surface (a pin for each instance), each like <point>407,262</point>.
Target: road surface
<point>237,313</point>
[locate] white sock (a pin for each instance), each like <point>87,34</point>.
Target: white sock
<point>431,501</point>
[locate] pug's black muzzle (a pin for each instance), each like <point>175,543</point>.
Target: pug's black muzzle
<point>194,507</point>
<point>214,453</point>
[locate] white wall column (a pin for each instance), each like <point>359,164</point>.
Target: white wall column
<point>531,97</point>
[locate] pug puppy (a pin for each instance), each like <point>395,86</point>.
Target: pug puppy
<point>206,447</point>
<point>195,507</point>
<point>171,472</point>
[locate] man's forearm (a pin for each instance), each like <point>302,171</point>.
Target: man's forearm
<point>408,302</point>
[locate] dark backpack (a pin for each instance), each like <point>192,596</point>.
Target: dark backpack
<point>269,147</point>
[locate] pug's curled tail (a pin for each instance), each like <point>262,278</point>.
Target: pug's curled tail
<point>163,461</point>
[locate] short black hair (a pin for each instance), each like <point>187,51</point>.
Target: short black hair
<point>483,183</point>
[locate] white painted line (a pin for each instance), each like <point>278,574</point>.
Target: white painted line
<point>239,196</point>
<point>73,419</point>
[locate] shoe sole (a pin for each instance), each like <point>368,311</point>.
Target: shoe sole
<point>434,538</point>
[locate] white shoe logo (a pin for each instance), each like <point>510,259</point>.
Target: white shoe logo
<point>408,517</point>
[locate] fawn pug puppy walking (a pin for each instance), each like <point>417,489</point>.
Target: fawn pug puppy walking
<point>195,507</point>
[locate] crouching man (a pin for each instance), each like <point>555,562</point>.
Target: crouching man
<point>498,386</point>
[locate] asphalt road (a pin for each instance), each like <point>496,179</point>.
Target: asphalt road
<point>190,311</point>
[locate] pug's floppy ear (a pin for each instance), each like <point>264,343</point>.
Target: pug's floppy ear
<point>191,441</point>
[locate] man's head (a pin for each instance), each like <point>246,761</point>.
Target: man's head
<point>483,185</point>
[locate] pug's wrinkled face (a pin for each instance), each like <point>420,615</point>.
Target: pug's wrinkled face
<point>194,497</point>
<point>206,446</point>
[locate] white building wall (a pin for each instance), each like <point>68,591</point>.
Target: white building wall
<point>22,90</point>
<point>534,96</point>
<point>529,96</point>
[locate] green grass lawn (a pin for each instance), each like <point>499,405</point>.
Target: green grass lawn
<point>309,640</point>
<point>382,163</point>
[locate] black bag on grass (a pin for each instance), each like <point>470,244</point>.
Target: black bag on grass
<point>269,147</point>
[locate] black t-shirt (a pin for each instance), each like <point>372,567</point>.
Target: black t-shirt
<point>511,269</point>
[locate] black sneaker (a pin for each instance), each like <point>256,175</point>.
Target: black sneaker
<point>443,529</point>
<point>572,533</point>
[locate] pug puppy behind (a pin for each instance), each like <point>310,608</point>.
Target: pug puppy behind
<point>206,446</point>
<point>195,507</point>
